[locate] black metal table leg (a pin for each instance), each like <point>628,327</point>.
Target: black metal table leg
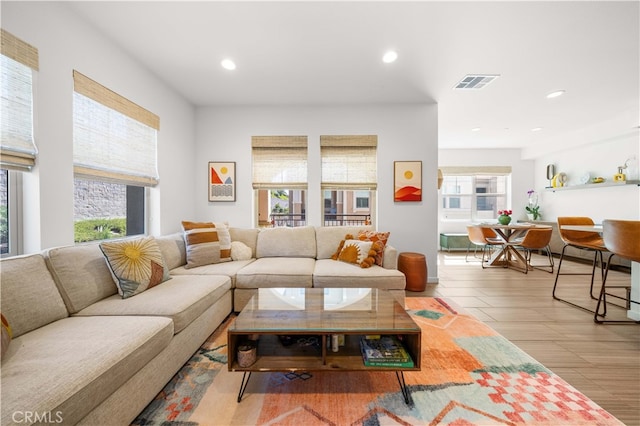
<point>243,385</point>
<point>403,387</point>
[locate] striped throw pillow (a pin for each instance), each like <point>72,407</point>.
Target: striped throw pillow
<point>207,243</point>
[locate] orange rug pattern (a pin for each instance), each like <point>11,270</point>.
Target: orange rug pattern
<point>470,375</point>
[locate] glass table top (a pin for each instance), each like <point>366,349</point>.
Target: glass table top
<point>290,310</point>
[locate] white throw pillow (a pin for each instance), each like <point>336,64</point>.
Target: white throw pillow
<point>240,251</point>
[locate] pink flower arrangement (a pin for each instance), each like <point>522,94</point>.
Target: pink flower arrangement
<point>505,212</point>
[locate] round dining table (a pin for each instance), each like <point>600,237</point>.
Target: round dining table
<point>507,254</point>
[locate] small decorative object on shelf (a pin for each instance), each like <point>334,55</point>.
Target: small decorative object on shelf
<point>505,216</point>
<point>533,208</point>
<point>246,355</point>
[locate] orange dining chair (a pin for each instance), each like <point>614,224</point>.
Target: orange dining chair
<point>483,238</point>
<point>622,239</point>
<point>591,241</point>
<point>536,239</point>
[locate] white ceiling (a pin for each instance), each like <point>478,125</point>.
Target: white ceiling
<point>328,53</point>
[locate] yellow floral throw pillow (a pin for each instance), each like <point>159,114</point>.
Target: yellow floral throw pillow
<point>358,252</point>
<point>136,265</point>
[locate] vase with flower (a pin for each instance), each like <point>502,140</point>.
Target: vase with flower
<point>505,216</point>
<point>533,208</point>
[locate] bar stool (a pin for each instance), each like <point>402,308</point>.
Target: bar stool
<point>583,240</point>
<point>622,239</point>
<point>482,238</point>
<point>536,239</point>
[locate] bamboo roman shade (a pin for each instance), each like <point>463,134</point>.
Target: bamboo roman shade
<point>18,62</point>
<point>113,138</point>
<point>476,170</point>
<point>279,162</point>
<point>349,162</point>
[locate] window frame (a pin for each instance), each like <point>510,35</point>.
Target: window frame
<point>473,196</point>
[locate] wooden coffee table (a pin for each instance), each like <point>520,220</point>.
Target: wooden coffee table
<point>312,316</point>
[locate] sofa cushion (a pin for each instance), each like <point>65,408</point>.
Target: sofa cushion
<point>229,269</point>
<point>173,249</point>
<point>286,242</point>
<point>29,297</point>
<point>183,299</point>
<point>332,273</point>
<point>328,238</point>
<point>377,237</point>
<point>75,363</point>
<point>81,273</point>
<point>136,264</point>
<point>276,272</point>
<point>206,243</point>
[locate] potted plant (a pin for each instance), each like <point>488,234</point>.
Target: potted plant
<point>533,208</point>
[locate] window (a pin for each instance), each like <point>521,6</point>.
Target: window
<point>474,194</point>
<point>279,166</point>
<point>10,191</point>
<point>18,63</point>
<point>114,154</point>
<point>349,179</point>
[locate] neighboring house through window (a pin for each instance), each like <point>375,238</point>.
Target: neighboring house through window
<point>474,193</point>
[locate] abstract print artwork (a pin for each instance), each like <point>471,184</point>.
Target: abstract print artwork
<point>407,181</point>
<point>222,181</point>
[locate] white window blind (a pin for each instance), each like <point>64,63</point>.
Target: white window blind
<point>279,162</point>
<point>18,62</point>
<point>476,170</point>
<point>349,162</point>
<point>113,138</point>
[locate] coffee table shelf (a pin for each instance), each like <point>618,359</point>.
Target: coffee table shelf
<point>273,356</point>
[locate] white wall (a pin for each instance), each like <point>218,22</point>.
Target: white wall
<point>598,159</point>
<point>405,132</point>
<point>522,178</point>
<point>65,43</point>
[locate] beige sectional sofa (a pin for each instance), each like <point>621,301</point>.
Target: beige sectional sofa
<point>81,354</point>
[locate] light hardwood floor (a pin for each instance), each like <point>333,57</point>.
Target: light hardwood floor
<point>602,361</point>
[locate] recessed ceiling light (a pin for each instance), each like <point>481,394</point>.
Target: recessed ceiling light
<point>228,64</point>
<point>536,129</point>
<point>555,94</point>
<point>390,56</point>
<point>475,129</point>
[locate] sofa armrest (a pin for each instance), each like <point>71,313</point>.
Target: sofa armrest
<point>390,257</point>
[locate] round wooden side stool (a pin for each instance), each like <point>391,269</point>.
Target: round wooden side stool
<point>414,267</point>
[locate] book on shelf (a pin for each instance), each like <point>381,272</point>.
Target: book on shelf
<point>384,351</point>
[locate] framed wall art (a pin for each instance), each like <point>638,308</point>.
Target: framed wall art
<point>222,181</point>
<point>407,181</point>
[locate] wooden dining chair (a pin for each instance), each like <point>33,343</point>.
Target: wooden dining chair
<point>536,239</point>
<point>622,239</point>
<point>591,241</point>
<point>481,238</point>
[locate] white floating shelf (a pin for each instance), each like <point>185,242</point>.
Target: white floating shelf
<point>595,185</point>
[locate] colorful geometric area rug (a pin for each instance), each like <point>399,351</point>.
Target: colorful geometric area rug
<point>470,375</point>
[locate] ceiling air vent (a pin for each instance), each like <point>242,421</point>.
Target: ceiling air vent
<point>476,81</point>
